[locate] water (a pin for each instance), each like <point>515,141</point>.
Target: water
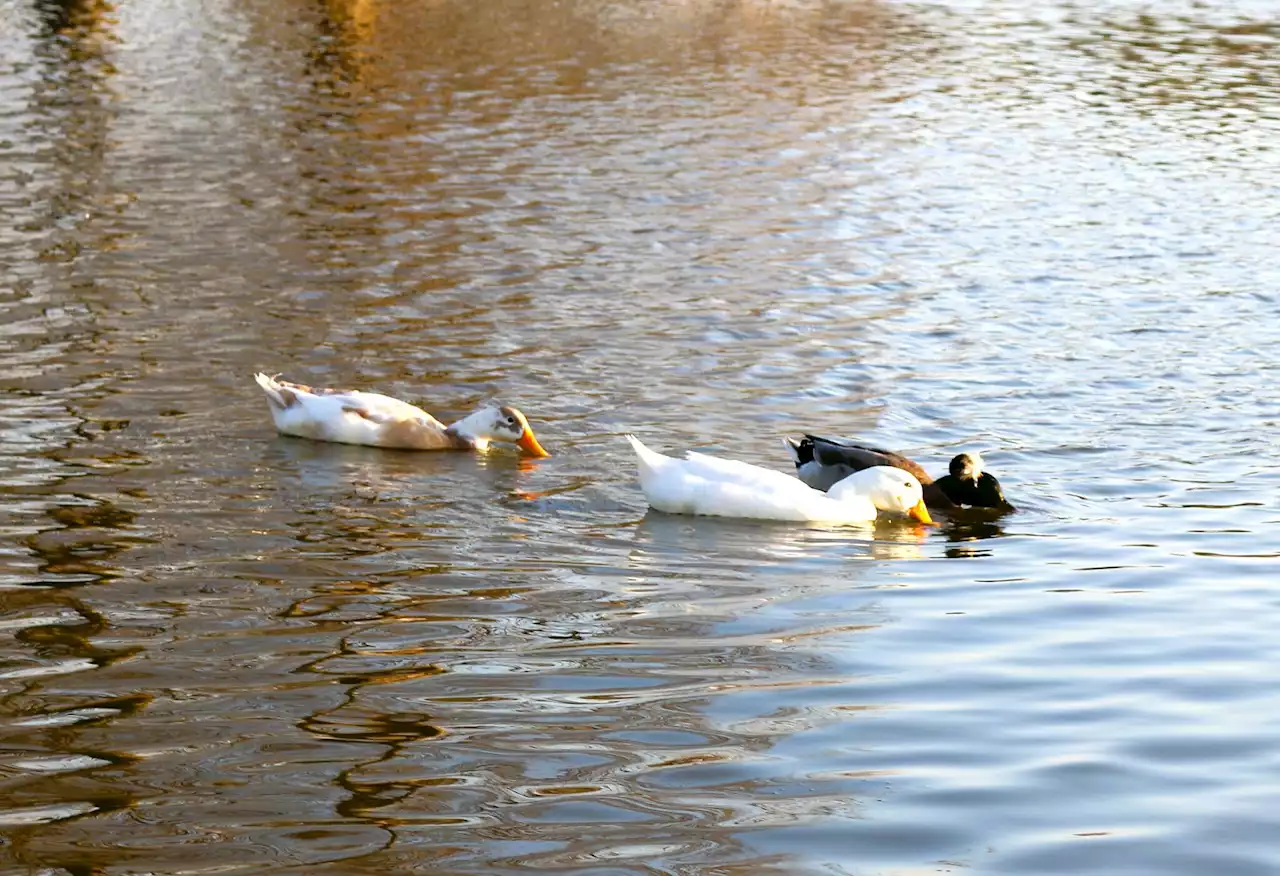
<point>1042,231</point>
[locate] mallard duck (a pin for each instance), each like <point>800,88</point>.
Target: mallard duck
<point>702,484</point>
<point>823,462</point>
<point>354,417</point>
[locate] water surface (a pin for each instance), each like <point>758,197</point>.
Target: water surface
<point>1043,231</point>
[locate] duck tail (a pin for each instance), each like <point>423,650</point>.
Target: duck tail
<point>272,390</point>
<point>649,460</point>
<point>801,451</point>
<point>793,448</point>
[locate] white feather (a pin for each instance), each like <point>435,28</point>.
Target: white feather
<point>708,485</point>
<point>332,416</point>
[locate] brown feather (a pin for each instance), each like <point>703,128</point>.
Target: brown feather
<point>417,435</point>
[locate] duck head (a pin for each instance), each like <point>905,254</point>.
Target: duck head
<point>890,489</point>
<point>500,423</point>
<point>966,466</point>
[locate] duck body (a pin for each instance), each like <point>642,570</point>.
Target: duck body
<point>707,485</point>
<point>376,420</point>
<point>823,462</point>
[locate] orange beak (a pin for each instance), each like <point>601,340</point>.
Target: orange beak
<point>921,513</point>
<point>530,445</point>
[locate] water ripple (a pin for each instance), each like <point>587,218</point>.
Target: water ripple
<point>1040,231</point>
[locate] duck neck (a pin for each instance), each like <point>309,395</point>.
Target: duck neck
<point>471,429</point>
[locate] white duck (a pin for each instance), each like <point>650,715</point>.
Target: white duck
<point>354,417</point>
<point>701,484</point>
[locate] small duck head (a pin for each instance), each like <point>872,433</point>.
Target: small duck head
<point>967,466</point>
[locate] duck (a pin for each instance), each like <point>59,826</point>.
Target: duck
<point>708,485</point>
<point>375,420</point>
<point>824,462</point>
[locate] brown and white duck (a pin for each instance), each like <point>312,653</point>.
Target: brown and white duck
<point>356,417</point>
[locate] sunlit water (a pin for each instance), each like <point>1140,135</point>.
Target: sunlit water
<point>1047,232</point>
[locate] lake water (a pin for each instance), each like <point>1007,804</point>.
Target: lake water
<point>1042,230</point>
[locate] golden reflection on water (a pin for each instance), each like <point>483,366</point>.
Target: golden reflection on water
<point>379,40</point>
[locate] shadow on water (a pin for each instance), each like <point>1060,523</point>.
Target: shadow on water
<point>964,536</point>
<point>70,526</point>
<point>66,529</point>
<point>326,468</point>
<point>89,536</point>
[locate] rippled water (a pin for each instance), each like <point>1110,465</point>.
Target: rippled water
<point>1045,231</point>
